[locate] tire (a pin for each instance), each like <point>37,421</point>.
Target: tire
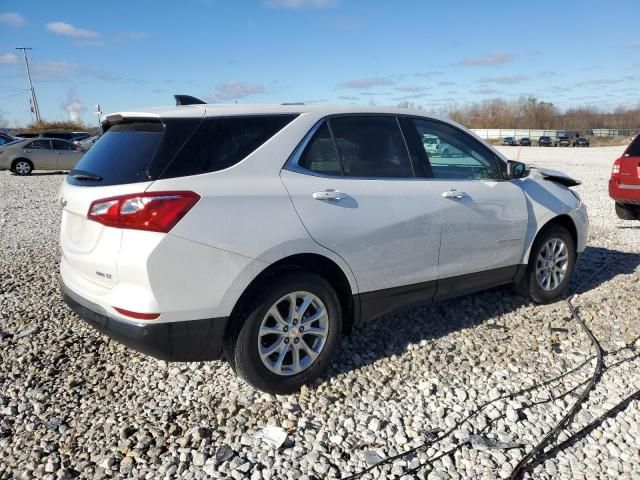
<point>263,371</point>
<point>22,166</point>
<point>533,285</point>
<point>627,212</point>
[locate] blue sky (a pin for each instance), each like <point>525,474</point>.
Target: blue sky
<point>127,55</point>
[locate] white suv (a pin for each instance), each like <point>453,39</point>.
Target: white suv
<point>260,233</point>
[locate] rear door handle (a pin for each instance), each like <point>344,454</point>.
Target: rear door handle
<point>327,195</point>
<point>453,193</point>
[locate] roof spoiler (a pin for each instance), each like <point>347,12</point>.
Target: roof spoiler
<point>188,100</point>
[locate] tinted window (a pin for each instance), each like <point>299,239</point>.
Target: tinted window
<point>122,155</point>
<point>320,154</point>
<point>40,145</point>
<point>634,148</point>
<point>61,145</point>
<point>371,147</point>
<point>458,155</point>
<point>219,143</point>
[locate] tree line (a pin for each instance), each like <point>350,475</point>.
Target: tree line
<point>531,113</point>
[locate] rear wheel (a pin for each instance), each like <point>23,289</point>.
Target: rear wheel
<point>627,212</point>
<point>551,263</point>
<point>289,334</point>
<point>22,166</point>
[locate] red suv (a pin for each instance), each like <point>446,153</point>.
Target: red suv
<point>624,185</point>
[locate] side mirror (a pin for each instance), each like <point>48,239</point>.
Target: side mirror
<point>516,169</point>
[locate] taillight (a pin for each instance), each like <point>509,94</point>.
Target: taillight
<point>615,171</point>
<point>151,211</point>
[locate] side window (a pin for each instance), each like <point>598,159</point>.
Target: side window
<point>60,145</point>
<point>320,154</point>
<point>221,142</point>
<point>454,154</point>
<point>371,147</point>
<point>40,145</point>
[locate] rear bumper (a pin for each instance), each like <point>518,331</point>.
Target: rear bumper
<point>183,341</point>
<point>624,193</point>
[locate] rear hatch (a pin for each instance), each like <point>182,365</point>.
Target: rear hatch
<point>630,164</point>
<point>127,158</point>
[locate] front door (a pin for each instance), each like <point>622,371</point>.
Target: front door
<point>484,215</point>
<point>41,154</point>
<point>357,194</point>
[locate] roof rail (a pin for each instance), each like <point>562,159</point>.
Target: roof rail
<point>292,103</point>
<point>187,100</point>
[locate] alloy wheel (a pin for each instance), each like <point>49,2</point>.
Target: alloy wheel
<point>293,333</point>
<point>552,264</point>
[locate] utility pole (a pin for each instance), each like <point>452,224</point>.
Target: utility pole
<point>34,102</point>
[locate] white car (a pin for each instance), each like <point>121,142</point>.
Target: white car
<point>24,155</point>
<point>260,233</point>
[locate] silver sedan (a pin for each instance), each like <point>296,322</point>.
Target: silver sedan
<point>25,155</point>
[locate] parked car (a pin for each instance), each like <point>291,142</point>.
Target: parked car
<point>624,184</point>
<point>562,141</point>
<point>510,141</point>
<point>6,138</point>
<point>260,233</point>
<point>545,141</point>
<point>25,155</point>
<point>87,143</point>
<point>430,143</point>
<point>581,142</point>
<point>525,142</point>
<point>62,135</point>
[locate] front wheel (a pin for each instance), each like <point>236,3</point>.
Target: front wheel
<point>22,167</point>
<point>551,263</point>
<point>289,334</point>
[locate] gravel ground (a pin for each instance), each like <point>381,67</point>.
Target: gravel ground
<point>75,404</point>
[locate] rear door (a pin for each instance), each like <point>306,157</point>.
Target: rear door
<point>357,194</point>
<point>484,216</point>
<point>40,152</point>
<point>67,154</point>
<point>630,166</point>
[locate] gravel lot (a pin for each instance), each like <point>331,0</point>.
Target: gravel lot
<point>74,404</point>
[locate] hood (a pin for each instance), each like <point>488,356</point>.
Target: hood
<point>555,176</point>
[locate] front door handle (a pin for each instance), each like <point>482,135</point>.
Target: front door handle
<point>453,193</point>
<point>327,195</point>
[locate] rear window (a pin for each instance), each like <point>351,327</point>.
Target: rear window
<point>122,155</point>
<point>141,151</point>
<point>634,148</point>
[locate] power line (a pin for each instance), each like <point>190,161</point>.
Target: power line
<point>34,102</point>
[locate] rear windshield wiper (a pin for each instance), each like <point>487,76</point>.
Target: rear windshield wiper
<point>79,175</point>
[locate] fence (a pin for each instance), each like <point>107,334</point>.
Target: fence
<point>499,133</point>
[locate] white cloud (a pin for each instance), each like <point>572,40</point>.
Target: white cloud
<point>131,35</point>
<point>52,70</point>
<point>490,59</point>
<point>73,107</point>
<point>507,80</point>
<point>296,4</point>
<point>82,36</point>
<point>9,58</point>
<point>232,90</point>
<point>633,44</point>
<point>412,88</point>
<point>12,19</point>
<point>365,83</point>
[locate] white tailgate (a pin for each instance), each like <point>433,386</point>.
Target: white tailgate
<point>89,249</point>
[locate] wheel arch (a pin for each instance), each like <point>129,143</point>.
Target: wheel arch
<point>16,160</point>
<point>308,262</point>
<point>564,220</point>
